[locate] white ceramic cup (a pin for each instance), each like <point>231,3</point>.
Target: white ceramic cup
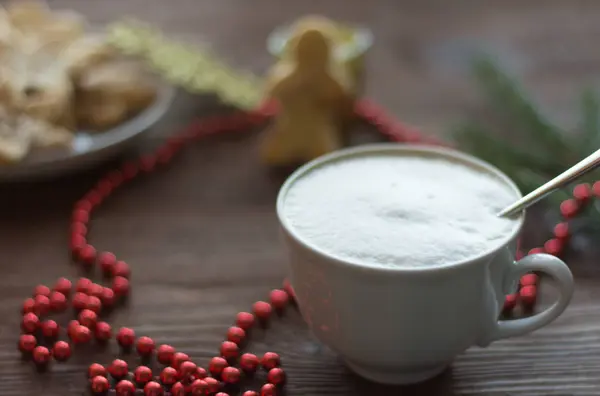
<point>405,325</point>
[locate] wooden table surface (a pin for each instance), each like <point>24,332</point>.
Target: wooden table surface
<point>201,235</point>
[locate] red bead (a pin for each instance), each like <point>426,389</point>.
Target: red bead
<point>58,302</point>
<point>93,304</point>
<point>120,286</point>
<point>164,354</point>
<point>81,335</point>
<point>169,376</point>
<point>553,246</point>
<point>596,189</point>
<point>262,310</point>
<point>126,337</point>
<point>104,187</point>
<point>142,375</point>
<point>125,388</point>
<point>187,369</point>
<point>129,170</point>
<point>287,286</point>
<point>510,302</point>
<point>96,370</point>
<point>80,216</point>
<point>229,350</point>
<point>118,369</point>
<point>147,163</point>
<point>270,360</point>
<point>28,306</point>
<point>528,280</point>
<point>245,320</point>
<point>213,384</point>
<point>582,192</point>
<point>108,297</point>
<point>145,346</point>
<point>250,393</point>
<point>198,388</point>
<point>231,375</point>
<point>528,296</point>
<point>153,388</point>
<point>103,331</point>
<point>41,355</point>
<point>268,390</point>
<point>249,362</point>
<point>216,365</point>
<point>80,301</point>
<point>116,178</point>
<point>30,322</point>
<point>83,285</point>
<point>279,299</point>
<point>78,228</point>
<point>61,351</point>
<point>77,242</point>
<point>569,208</point>
<point>99,385</point>
<point>536,251</point>
<point>94,198</point>
<point>222,394</point>
<point>122,269</point>
<point>88,318</point>
<point>178,389</point>
<point>42,304</point>
<point>200,373</point>
<point>276,376</point>
<point>63,286</point>
<point>50,329</point>
<point>87,255</point>
<point>236,334</point>
<point>83,204</point>
<point>41,290</point>
<point>95,290</point>
<point>561,230</point>
<point>71,327</point>
<point>27,343</point>
<point>178,358</point>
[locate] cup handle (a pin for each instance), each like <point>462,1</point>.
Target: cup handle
<point>557,270</point>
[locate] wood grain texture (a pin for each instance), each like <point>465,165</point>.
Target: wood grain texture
<point>201,236</point>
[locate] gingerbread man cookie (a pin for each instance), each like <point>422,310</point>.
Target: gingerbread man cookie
<point>314,97</point>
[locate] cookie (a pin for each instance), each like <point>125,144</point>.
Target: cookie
<point>15,141</point>
<point>86,52</point>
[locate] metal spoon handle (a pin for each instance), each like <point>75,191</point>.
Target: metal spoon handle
<point>573,173</point>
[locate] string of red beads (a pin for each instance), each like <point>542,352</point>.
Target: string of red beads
<point>179,375</point>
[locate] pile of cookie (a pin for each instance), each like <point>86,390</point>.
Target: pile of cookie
<point>58,77</point>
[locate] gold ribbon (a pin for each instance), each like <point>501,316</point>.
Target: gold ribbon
<point>196,70</point>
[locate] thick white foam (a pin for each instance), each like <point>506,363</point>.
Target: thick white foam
<point>399,210</point>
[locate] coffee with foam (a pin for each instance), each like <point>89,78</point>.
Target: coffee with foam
<point>399,209</point>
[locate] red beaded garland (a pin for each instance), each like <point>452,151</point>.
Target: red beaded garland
<point>231,375</point>
<point>276,376</point>
<point>216,365</point>
<point>61,351</point>
<point>153,388</point>
<point>582,192</point>
<point>87,255</point>
<point>229,350</point>
<point>145,346</point>
<point>528,296</point>
<point>27,343</point>
<point>126,337</point>
<point>270,360</point>
<point>262,310</point>
<point>99,385</point>
<point>142,375</point>
<point>169,376</point>
<point>569,208</point>
<point>164,354</point>
<point>553,246</point>
<point>236,334</point>
<point>118,368</point>
<point>106,261</point>
<point>510,302</point>
<point>529,280</point>
<point>120,286</point>
<point>121,268</point>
